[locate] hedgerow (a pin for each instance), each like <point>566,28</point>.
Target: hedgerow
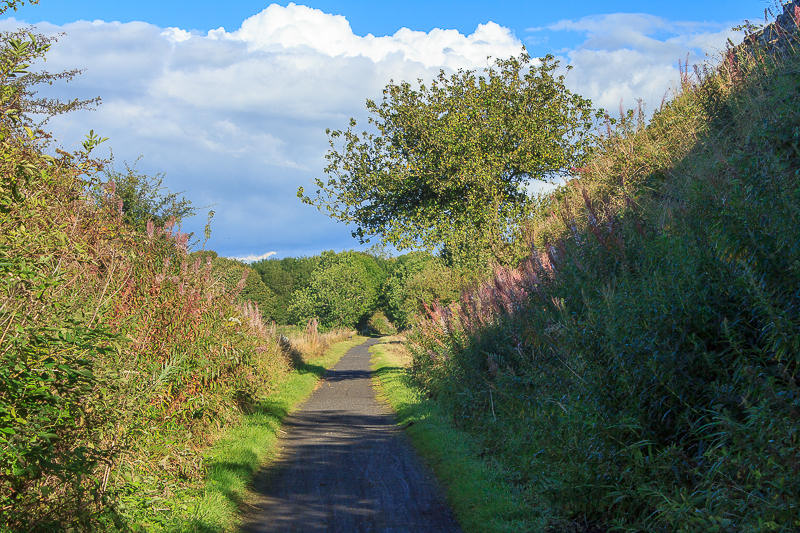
<point>639,372</point>
<point>120,354</point>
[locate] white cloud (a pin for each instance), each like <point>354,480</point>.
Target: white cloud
<point>254,258</point>
<point>236,119</point>
<point>627,56</point>
<point>176,35</point>
<point>297,26</point>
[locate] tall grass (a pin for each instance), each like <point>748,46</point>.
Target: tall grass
<point>640,369</point>
<point>121,354</point>
<point>242,447</point>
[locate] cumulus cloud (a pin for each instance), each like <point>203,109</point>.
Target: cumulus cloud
<point>236,119</point>
<point>254,258</point>
<point>300,26</point>
<point>625,57</point>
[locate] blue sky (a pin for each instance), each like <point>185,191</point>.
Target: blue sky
<point>385,17</point>
<point>236,117</point>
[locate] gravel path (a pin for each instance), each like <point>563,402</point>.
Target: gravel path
<point>346,466</point>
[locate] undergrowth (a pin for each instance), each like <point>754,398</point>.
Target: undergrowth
<point>477,488</point>
<point>122,356</point>
<point>640,370</point>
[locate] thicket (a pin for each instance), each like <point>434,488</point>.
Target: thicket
<point>417,279</point>
<point>283,277</point>
<point>343,291</point>
<point>639,371</point>
<point>120,353</point>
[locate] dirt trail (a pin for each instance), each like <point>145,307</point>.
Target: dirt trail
<point>346,466</point>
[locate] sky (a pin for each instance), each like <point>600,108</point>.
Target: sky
<point>230,100</point>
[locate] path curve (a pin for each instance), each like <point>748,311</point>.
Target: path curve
<point>346,466</point>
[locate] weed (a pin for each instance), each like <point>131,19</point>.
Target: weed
<point>639,371</point>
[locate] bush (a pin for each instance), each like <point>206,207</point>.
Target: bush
<point>343,291</point>
<point>238,278</point>
<point>144,198</point>
<point>378,324</point>
<point>51,431</point>
<point>640,371</point>
<point>418,279</point>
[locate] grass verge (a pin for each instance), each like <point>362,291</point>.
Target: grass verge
<point>243,449</point>
<point>479,490</point>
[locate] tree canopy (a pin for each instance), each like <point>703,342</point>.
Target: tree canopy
<point>447,164</point>
<point>284,277</point>
<point>343,291</point>
<point>144,198</point>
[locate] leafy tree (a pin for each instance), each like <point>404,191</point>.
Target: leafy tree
<point>447,164</point>
<point>284,277</point>
<point>343,291</point>
<point>144,198</point>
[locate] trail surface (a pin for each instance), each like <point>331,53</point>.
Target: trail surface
<point>346,466</point>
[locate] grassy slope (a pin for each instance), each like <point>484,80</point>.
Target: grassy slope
<point>649,381</point>
<point>241,450</point>
<point>478,489</point>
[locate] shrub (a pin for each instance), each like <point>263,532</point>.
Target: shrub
<point>343,291</point>
<point>236,277</point>
<point>639,371</point>
<point>418,279</point>
<point>144,198</point>
<point>379,324</point>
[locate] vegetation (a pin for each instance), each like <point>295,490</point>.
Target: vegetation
<point>479,489</point>
<point>638,372</point>
<point>283,277</point>
<point>355,289</point>
<point>379,324</point>
<point>237,277</point>
<point>144,198</point>
<point>447,164</point>
<point>619,355</point>
<point>343,291</point>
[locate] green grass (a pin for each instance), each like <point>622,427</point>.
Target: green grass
<point>479,490</point>
<point>244,449</point>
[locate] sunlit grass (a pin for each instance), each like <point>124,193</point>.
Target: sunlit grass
<point>477,489</point>
<point>242,450</point>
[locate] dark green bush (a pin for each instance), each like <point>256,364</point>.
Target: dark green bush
<point>418,278</point>
<point>283,277</point>
<point>640,371</point>
<point>51,429</point>
<point>343,291</point>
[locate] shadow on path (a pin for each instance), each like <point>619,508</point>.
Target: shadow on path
<point>346,467</point>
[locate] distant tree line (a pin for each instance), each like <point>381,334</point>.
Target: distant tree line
<point>347,289</point>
